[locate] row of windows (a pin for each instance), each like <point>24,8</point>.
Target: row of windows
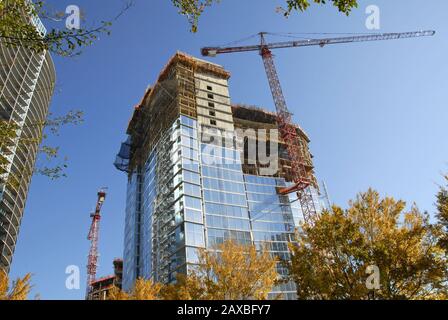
<point>218,195</point>
<point>193,216</point>
<point>269,213</point>
<point>273,217</point>
<point>271,236</point>
<point>261,197</point>
<point>191,177</point>
<point>257,188</point>
<point>216,236</point>
<point>218,137</point>
<point>220,173</point>
<point>190,165</point>
<point>189,132</point>
<point>234,164</point>
<point>221,185</point>
<point>177,260</point>
<point>190,153</point>
<point>225,210</point>
<point>272,227</point>
<point>192,203</point>
<point>272,246</point>
<point>218,151</point>
<point>194,235</point>
<point>188,121</point>
<point>269,208</point>
<point>222,197</point>
<point>227,223</point>
<point>192,255</point>
<point>177,238</point>
<point>224,165</point>
<point>192,190</point>
<point>264,180</point>
<point>188,142</point>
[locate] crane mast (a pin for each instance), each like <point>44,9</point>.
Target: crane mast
<point>288,132</point>
<point>92,263</point>
<point>301,165</point>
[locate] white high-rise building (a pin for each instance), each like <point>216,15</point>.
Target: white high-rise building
<point>27,81</point>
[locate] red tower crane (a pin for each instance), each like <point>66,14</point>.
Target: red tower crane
<point>299,164</point>
<point>92,262</point>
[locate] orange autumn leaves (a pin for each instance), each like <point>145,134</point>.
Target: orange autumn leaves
<point>231,272</point>
<point>19,290</point>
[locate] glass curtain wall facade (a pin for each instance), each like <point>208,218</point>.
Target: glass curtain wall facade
<point>191,194</point>
<point>165,231</point>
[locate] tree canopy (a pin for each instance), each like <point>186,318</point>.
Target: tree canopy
<point>332,256</point>
<point>230,271</point>
<point>19,290</point>
<point>142,290</point>
<point>442,215</point>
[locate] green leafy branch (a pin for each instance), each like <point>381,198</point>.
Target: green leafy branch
<point>17,30</point>
<point>9,138</point>
<point>193,9</point>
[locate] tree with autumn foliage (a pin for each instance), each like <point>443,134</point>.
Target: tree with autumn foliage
<point>442,215</point>
<point>230,271</point>
<point>332,255</point>
<point>19,290</point>
<point>142,290</point>
<point>186,288</point>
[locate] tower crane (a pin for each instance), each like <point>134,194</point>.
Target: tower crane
<point>92,263</point>
<point>300,164</point>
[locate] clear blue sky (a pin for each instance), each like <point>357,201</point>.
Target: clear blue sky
<point>376,112</point>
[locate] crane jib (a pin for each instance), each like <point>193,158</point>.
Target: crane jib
<point>213,51</point>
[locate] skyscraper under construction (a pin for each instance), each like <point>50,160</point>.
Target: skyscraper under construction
<point>193,180</point>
